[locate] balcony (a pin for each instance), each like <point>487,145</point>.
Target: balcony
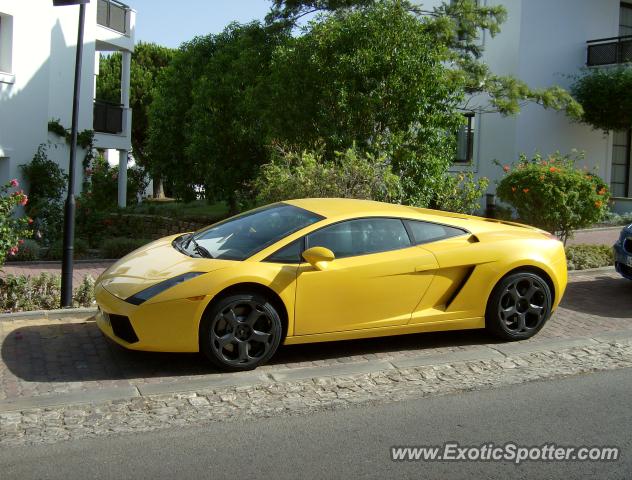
<point>107,117</point>
<point>609,51</point>
<point>113,15</point>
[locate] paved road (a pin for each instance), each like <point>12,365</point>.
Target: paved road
<point>592,409</point>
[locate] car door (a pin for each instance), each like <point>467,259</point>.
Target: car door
<point>376,279</point>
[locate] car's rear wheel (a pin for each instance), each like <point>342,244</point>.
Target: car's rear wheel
<point>240,332</point>
<point>519,306</point>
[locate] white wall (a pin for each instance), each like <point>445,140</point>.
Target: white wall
<point>543,42</point>
<point>40,87</point>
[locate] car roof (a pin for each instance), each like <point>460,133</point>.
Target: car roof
<point>341,208</point>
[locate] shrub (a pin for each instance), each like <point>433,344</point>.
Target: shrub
<point>119,247</point>
<point>613,218</point>
<point>47,184</point>
<point>461,193</point>
<point>83,295</point>
<point>56,250</point>
<point>553,194</point>
<point>583,256</point>
<point>29,251</point>
<point>13,229</point>
<point>606,97</point>
<point>308,175</point>
<point>43,292</point>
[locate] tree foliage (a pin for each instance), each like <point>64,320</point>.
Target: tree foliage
<point>311,175</point>
<point>458,26</point>
<point>148,60</point>
<point>373,79</point>
<point>606,96</point>
<point>553,194</point>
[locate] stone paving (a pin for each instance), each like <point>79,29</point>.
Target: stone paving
<point>47,357</point>
<point>153,412</point>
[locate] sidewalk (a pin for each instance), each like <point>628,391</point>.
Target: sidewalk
<point>80,271</point>
<point>598,236</point>
<point>41,358</point>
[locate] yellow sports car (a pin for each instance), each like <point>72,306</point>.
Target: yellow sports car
<point>317,270</point>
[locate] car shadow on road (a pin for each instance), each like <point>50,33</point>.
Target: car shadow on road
<point>604,296</point>
<point>75,352</point>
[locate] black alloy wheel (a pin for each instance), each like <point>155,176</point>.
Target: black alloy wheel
<point>519,306</point>
<point>241,332</point>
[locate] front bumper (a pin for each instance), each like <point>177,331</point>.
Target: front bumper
<point>170,326</point>
<point>623,261</point>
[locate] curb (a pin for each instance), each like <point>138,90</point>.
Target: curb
<point>266,377</point>
<point>57,314</point>
<point>609,268</point>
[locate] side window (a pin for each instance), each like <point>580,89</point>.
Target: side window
<point>289,254</point>
<point>361,237</point>
<point>425,232</point>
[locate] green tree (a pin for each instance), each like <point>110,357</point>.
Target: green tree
<point>375,79</point>
<point>227,135</point>
<point>606,95</point>
<point>148,60</point>
<point>170,121</point>
<point>456,25</point>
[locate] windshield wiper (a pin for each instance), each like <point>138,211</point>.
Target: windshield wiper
<point>199,249</point>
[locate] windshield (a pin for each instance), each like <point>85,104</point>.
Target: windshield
<point>241,237</point>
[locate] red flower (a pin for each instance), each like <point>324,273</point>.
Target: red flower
<point>14,183</point>
<point>24,200</point>
<point>525,190</point>
<point>20,241</point>
<point>506,168</point>
<point>552,169</point>
<point>30,220</point>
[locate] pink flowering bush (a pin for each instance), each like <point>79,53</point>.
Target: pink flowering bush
<point>12,229</point>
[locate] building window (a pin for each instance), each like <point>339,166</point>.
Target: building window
<point>621,164</point>
<point>625,19</point>
<point>465,141</point>
<point>6,41</point>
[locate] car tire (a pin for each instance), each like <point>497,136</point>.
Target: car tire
<point>519,306</point>
<point>240,332</point>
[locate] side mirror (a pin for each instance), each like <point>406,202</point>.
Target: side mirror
<point>319,257</point>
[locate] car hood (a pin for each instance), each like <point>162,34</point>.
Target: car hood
<point>151,264</point>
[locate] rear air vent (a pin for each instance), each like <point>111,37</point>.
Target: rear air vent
<point>458,289</point>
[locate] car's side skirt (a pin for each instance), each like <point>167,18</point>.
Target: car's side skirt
<point>442,325</point>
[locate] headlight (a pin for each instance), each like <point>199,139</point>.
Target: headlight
<point>154,290</point>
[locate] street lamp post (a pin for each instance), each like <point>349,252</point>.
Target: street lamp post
<point>69,211</point>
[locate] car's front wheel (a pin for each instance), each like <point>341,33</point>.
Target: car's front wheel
<point>519,306</point>
<point>240,332</point>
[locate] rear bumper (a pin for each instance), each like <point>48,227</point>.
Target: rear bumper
<point>159,327</point>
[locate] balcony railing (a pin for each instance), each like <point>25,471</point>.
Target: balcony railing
<point>107,117</point>
<point>112,14</point>
<point>609,51</point>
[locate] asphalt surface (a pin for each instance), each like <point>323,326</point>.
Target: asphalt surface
<point>594,409</point>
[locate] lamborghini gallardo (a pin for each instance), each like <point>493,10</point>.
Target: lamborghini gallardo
<point>316,270</point>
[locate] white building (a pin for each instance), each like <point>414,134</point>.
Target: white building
<point>37,59</point>
<point>545,43</point>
